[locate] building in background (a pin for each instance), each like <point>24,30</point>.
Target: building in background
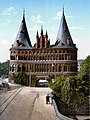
<point>44,59</point>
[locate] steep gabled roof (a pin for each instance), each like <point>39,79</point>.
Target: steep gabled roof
<point>22,37</point>
<point>63,39</point>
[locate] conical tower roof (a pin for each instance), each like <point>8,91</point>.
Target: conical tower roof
<point>22,37</point>
<point>64,39</point>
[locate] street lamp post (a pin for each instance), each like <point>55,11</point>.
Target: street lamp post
<point>54,69</point>
<point>30,79</point>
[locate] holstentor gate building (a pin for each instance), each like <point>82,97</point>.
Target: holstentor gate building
<point>44,59</point>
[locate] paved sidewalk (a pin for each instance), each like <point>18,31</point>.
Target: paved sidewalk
<point>83,117</point>
<point>43,111</point>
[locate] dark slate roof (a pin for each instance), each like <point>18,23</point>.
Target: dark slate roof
<point>64,39</point>
<point>23,36</point>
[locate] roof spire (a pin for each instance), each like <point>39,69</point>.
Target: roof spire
<point>46,34</point>
<point>63,37</point>
<point>63,10</point>
<point>23,14</point>
<point>23,36</point>
<point>41,29</point>
<point>37,34</point>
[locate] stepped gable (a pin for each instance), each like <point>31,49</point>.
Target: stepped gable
<point>42,40</point>
<point>22,40</point>
<point>64,39</point>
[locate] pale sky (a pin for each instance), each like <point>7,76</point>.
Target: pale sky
<point>47,13</point>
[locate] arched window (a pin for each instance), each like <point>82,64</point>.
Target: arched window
<point>39,57</point>
<point>65,57</point>
<point>62,57</point>
<point>19,57</point>
<point>18,68</point>
<point>12,57</point>
<point>23,68</point>
<point>33,57</point>
<point>56,57</point>
<point>42,57</point>
<point>13,68</point>
<point>26,68</point>
<point>59,57</point>
<point>10,68</point>
<point>29,57</point>
<point>65,68</point>
<point>26,52</point>
<point>60,68</point>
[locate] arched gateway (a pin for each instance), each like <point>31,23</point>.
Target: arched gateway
<point>43,59</point>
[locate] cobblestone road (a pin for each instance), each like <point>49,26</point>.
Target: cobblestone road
<point>26,104</point>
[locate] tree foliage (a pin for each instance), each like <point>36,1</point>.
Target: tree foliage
<point>84,76</point>
<point>4,68</point>
<point>21,78</point>
<point>59,81</point>
<point>74,89</point>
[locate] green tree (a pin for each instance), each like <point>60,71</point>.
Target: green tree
<point>21,78</point>
<point>33,80</point>
<point>57,86</point>
<point>84,76</point>
<point>4,68</point>
<point>73,90</point>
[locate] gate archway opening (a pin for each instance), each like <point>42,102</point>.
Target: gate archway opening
<point>42,81</point>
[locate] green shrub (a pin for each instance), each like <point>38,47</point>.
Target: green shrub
<point>21,78</point>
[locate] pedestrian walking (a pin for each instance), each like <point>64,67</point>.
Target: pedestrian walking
<point>47,99</point>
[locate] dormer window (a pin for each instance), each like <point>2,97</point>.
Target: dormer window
<point>63,44</point>
<point>26,52</point>
<point>17,43</point>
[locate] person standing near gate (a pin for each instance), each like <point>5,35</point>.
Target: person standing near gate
<point>47,99</point>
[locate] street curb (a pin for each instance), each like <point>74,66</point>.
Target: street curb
<point>58,114</point>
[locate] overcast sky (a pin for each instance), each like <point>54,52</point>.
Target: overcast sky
<point>47,13</point>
